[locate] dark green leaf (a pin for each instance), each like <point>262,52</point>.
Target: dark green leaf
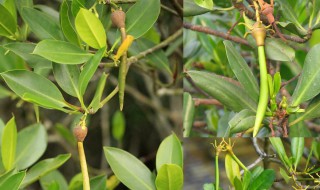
<point>246,180</point>
<point>61,52</point>
<point>228,93</point>
<point>188,113</point>
<point>190,8</point>
<point>66,26</point>
<point>264,180</point>
<point>43,167</point>
<point>14,181</point>
<point>53,177</point>
<point>297,147</point>
<point>242,71</point>
<point>169,152</point>
<point>67,77</point>
<point>41,24</point>
<point>98,183</point>
<point>9,144</point>
<point>299,129</point>
<point>30,139</point>
<point>8,25</point>
<point>307,86</point>
<point>129,170</point>
<point>10,61</point>
<point>277,50</point>
<point>35,88</point>
<point>170,177</point>
<point>89,69</point>
<point>242,121</point>
<point>208,4</point>
<point>141,17</point>
<point>90,29</point>
<point>118,125</point>
<point>76,5</point>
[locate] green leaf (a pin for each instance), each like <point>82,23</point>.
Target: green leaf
<point>246,180</point>
<point>118,125</point>
<point>8,25</point>
<point>224,90</point>
<point>129,170</point>
<point>9,144</point>
<point>277,50</point>
<point>95,103</point>
<point>89,69</point>
<point>169,152</point>
<point>279,148</point>
<point>264,180</point>
<point>188,113</point>
<point>65,133</point>
<point>242,71</point>
<point>90,29</point>
<point>170,177</point>
<point>61,52</point>
<point>34,88</point>
<point>98,183</point>
<point>242,121</point>
<point>232,169</point>
<point>190,8</point>
<point>24,50</point>
<point>14,181</point>
<point>209,186</point>
<point>284,175</point>
<point>299,129</point>
<point>43,167</point>
<point>313,109</point>
<point>41,24</point>
<point>66,26</point>
<point>67,77</point>
<point>30,139</point>
<point>276,82</point>
<point>10,6</point>
<point>76,182</point>
<point>76,5</point>
<point>291,27</point>
<point>297,147</point>
<point>307,86</point>
<point>208,4</point>
<point>141,16</point>
<point>10,61</point>
<point>53,177</point>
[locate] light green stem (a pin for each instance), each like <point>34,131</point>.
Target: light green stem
<point>217,171</point>
<point>263,98</point>
<point>238,161</point>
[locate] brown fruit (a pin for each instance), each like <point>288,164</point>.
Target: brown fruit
<point>118,18</point>
<point>80,133</point>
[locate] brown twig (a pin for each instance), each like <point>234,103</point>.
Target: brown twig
<point>207,30</point>
<point>289,81</point>
<point>200,101</point>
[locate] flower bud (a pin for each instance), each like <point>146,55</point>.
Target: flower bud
<point>118,18</point>
<point>259,33</point>
<point>80,133</point>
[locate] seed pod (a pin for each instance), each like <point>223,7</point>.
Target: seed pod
<point>80,133</point>
<point>259,33</point>
<point>118,18</point>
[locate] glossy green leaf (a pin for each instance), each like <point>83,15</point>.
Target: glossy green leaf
<point>76,182</point>
<point>208,4</point>
<point>24,50</point>
<point>8,25</point>
<point>53,178</point>
<point>98,183</point>
<point>141,16</point>
<point>30,139</point>
<point>169,152</point>
<point>9,144</point>
<point>264,180</point>
<point>246,179</point>
<point>170,177</point>
<point>307,86</point>
<point>34,88</point>
<point>276,82</point>
<point>118,125</point>
<point>14,181</point>
<point>89,69</point>
<point>43,167</point>
<point>313,109</point>
<point>76,5</point>
<point>190,8</point>
<point>188,113</point>
<point>289,14</point>
<point>129,170</point>
<point>297,147</point>
<point>11,7</point>
<point>242,121</point>
<point>41,24</point>
<point>157,59</point>
<point>224,90</point>
<point>67,77</point>
<point>95,103</point>
<point>90,29</point>
<point>277,50</point>
<point>242,71</point>
<point>279,148</point>
<point>10,61</point>
<point>232,169</point>
<point>61,52</point>
<point>66,26</point>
